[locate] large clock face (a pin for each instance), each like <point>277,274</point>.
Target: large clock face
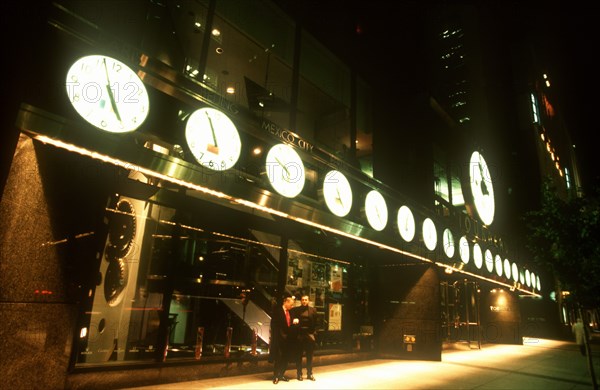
<point>482,188</point>
<point>376,210</point>
<point>213,139</point>
<point>285,170</point>
<point>337,193</point>
<point>406,223</point>
<point>429,234</point>
<point>107,93</point>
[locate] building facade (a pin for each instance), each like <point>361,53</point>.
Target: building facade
<point>177,167</point>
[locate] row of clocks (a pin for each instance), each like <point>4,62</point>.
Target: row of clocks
<point>109,95</point>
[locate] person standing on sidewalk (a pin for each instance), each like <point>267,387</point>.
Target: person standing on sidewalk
<point>281,346</point>
<point>579,332</point>
<point>306,316</point>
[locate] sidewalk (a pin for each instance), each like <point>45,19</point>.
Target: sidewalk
<point>538,364</point>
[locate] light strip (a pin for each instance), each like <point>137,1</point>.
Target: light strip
<point>218,194</point>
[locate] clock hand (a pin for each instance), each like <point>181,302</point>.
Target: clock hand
<point>339,196</point>
<point>378,215</point>
<point>111,97</point>
<point>484,189</point>
<point>214,148</point>
<point>287,173</point>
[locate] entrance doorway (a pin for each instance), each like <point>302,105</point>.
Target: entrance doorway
<point>460,313</point>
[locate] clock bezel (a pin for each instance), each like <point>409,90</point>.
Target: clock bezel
<point>479,173</point>
<point>273,164</point>
<point>196,127</point>
<point>449,243</point>
<point>429,234</point>
<point>375,203</point>
<point>335,187</point>
<point>404,216</point>
<point>94,111</point>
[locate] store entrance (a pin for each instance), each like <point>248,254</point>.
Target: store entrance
<point>461,323</point>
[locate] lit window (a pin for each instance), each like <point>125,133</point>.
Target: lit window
<point>534,109</point>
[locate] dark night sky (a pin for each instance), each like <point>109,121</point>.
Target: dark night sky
<point>568,34</point>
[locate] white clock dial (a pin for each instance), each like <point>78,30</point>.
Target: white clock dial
<point>507,268</point>
<point>107,93</point>
<point>448,242</point>
<point>477,256</point>
<point>213,139</point>
<point>489,260</point>
<point>482,188</point>
<point>285,170</point>
<point>376,210</point>
<point>498,261</point>
<point>463,249</point>
<point>515,272</point>
<point>406,223</point>
<point>337,193</point>
<point>429,234</point>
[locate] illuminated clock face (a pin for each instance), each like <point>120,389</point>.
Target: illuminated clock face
<point>285,170</point>
<point>107,93</point>
<point>376,210</point>
<point>213,139</point>
<point>507,268</point>
<point>337,193</point>
<point>482,188</point>
<point>406,223</point>
<point>515,272</point>
<point>477,256</point>
<point>463,249</point>
<point>429,234</point>
<point>489,261</point>
<point>448,242</point>
<point>498,264</point>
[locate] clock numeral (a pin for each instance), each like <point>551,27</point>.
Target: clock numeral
<point>131,96</point>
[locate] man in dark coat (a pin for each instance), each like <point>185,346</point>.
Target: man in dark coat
<point>281,339</point>
<point>306,318</point>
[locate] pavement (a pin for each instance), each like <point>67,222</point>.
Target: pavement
<point>537,364</point>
